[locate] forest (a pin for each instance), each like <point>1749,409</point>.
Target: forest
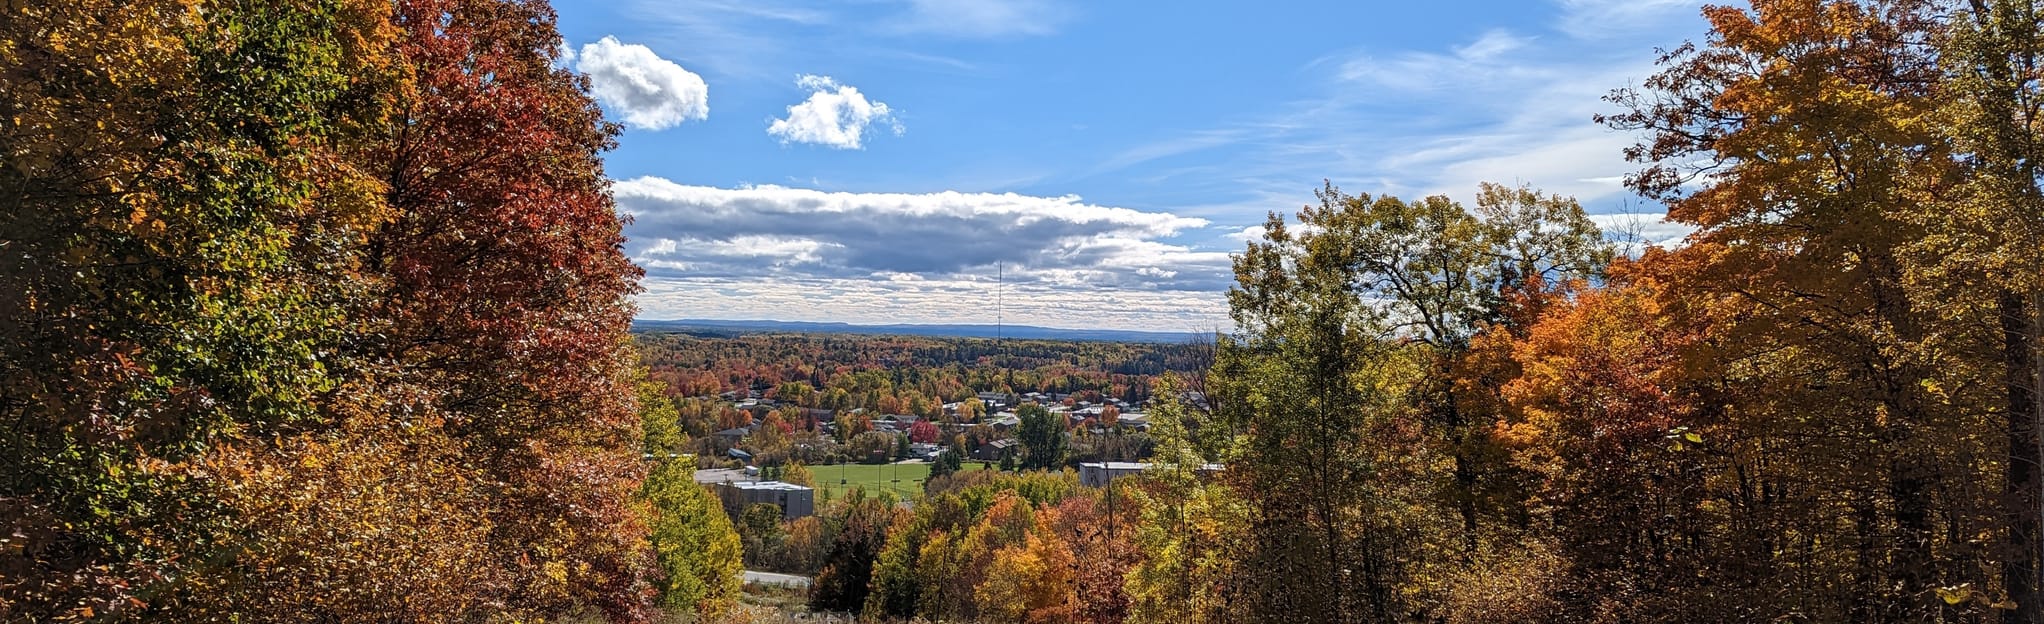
<point>894,375</point>
<point>318,310</point>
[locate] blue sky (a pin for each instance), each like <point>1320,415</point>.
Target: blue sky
<point>879,161</point>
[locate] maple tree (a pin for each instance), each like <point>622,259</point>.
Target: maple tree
<point>1033,581</point>
<point>1815,120</point>
<point>177,243</point>
<point>254,365</point>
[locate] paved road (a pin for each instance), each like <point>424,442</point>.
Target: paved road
<point>770,578</point>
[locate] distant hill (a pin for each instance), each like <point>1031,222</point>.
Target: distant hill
<point>966,331</point>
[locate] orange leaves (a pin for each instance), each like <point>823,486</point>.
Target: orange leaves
<point>218,287</point>
<point>1030,582</point>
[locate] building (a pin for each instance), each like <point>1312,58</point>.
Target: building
<point>795,501</point>
<point>732,435</point>
<point>996,450</point>
<point>713,476</point>
<point>1098,474</point>
<point>994,400</point>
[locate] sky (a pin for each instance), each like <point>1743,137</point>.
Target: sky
<point>901,161</point>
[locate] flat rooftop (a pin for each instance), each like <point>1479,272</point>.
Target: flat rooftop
<point>720,475</point>
<point>767,485</point>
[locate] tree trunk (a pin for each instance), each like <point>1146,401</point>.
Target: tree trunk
<point>2022,487</point>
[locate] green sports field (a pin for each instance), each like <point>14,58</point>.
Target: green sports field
<point>904,479</point>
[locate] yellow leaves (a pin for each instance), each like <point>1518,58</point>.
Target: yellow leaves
<point>1029,582</point>
<point>1955,594</point>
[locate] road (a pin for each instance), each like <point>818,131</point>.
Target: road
<point>770,578</point>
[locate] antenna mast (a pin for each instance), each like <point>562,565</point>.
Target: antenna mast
<point>1000,285</point>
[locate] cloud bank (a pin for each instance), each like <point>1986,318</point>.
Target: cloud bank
<point>773,232</point>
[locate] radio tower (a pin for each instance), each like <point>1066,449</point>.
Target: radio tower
<point>1000,284</point>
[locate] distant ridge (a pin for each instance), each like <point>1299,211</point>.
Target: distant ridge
<point>952,331</point>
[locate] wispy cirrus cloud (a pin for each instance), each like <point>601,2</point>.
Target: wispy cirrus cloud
<point>1613,19</point>
<point>1504,105</point>
<point>759,40</point>
<point>984,18</point>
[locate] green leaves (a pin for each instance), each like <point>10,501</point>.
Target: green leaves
<point>215,299</point>
<point>693,542</point>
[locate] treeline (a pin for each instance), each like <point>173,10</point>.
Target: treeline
<point>979,546</point>
<point>1820,407</point>
<point>313,310</point>
<point>906,375</point>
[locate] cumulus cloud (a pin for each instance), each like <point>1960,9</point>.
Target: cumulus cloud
<point>780,233</point>
<point>648,91</point>
<point>835,115</point>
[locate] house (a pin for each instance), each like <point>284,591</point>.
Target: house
<point>731,437</point>
<point>994,400</point>
<point>1137,421</point>
<point>1099,474</point>
<point>1005,421</point>
<point>996,450</point>
<point>795,501</point>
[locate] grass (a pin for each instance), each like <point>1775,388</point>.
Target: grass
<point>872,477</point>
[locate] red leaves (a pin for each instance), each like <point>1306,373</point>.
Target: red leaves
<point>507,289</point>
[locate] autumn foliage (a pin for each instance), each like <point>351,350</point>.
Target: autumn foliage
<point>316,310</point>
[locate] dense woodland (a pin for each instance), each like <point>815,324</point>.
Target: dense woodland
<point>317,311</point>
<point>1819,407</point>
<point>893,375</point>
<point>793,387</point>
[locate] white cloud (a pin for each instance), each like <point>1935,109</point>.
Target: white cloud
<point>648,91</point>
<point>1493,44</point>
<point>1244,235</point>
<point>889,301</point>
<point>773,231</point>
<point>1507,106</point>
<point>802,254</point>
<point>1643,229</point>
<point>564,54</point>
<point>835,115</point>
